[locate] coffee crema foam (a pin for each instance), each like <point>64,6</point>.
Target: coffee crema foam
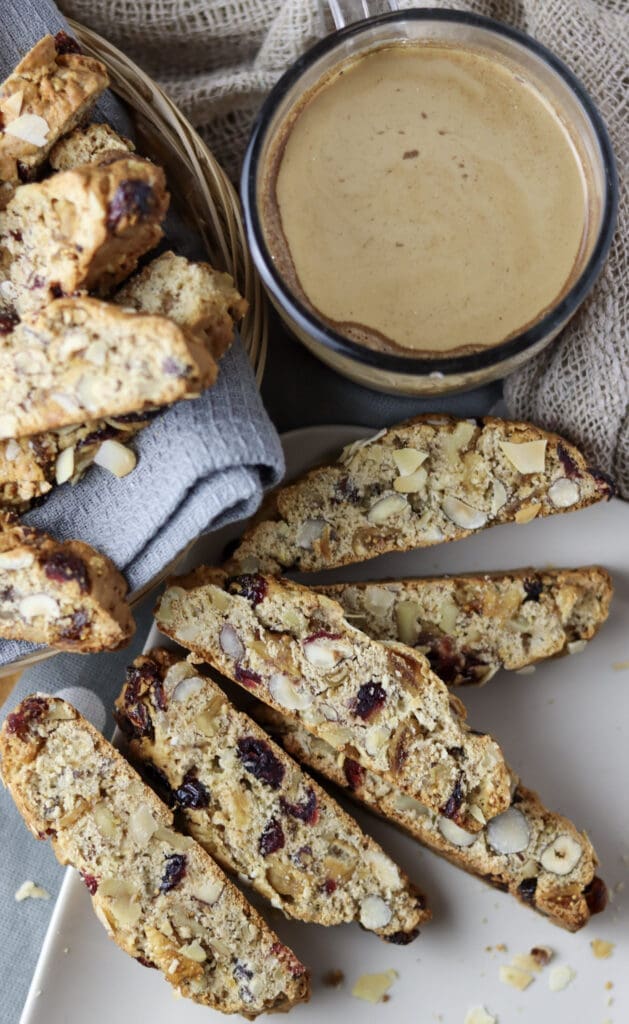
<point>425,198</point>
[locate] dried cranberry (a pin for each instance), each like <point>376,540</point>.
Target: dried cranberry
<point>272,839</point>
<point>66,44</point>
<point>25,174</point>
<point>251,586</point>
<point>527,889</point>
<point>453,805</point>
<point>242,973</point>
<point>401,938</point>
<point>158,781</point>
<point>456,752</point>
<point>288,959</point>
<point>8,594</point>
<point>444,659</point>
<point>145,963</point>
<point>321,634</point>
<point>56,290</point>
<point>136,722</point>
<point>74,630</point>
<point>30,710</point>
<point>132,198</point>
<point>596,895</point>
<point>7,322</point>
<point>259,760</point>
<point>90,882</point>
<point>247,677</point>
<point>329,886</point>
<point>354,773</point>
<point>603,483</point>
<point>192,792</point>
<point>570,467</point>
<point>345,490</point>
<point>371,697</point>
<point>63,567</point>
<point>308,811</point>
<point>532,589</point>
<point>174,872</point>
<point>174,367</point>
<point>145,678</point>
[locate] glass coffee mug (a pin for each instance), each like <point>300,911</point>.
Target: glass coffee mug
<point>392,370</point>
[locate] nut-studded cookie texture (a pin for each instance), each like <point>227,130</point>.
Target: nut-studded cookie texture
<point>253,808</point>
<point>87,144</point>
<point>202,300</point>
<point>48,93</point>
<point>83,358</point>
<point>426,481</point>
<point>529,851</point>
<point>379,703</point>
<point>471,626</point>
<point>158,894</point>
<point>81,230</point>
<point>64,594</point>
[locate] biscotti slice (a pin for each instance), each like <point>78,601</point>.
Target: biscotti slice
<point>86,145</point>
<point>63,594</point>
<point>253,809</point>
<point>426,481</point>
<point>159,895</point>
<point>536,855</point>
<point>83,229</point>
<point>50,91</point>
<point>192,294</point>
<point>83,358</point>
<point>379,703</point>
<point>470,626</point>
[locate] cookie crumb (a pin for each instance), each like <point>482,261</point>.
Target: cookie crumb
<point>372,988</point>
<point>333,978</point>
<point>479,1015</point>
<point>515,976</point>
<point>618,666</point>
<point>542,955</point>
<point>602,950</point>
<point>560,977</point>
<point>30,891</point>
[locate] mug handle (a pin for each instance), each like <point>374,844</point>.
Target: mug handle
<point>345,12</point>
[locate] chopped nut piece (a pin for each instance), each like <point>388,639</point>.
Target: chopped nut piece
<point>560,977</point>
<point>527,457</point>
<point>479,1015</point>
<point>462,514</point>
<point>333,978</point>
<point>30,891</point>
<point>408,460</point>
<point>526,513</point>
<point>116,458</point>
<point>563,492</point>
<point>602,950</point>
<point>385,508</point>
<point>373,987</point>
<point>562,855</point>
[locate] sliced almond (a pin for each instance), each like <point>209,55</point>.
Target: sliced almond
<point>526,457</point>
<point>406,614</point>
<point>516,977</point>
<point>116,458</point>
<point>408,460</point>
<point>29,128</point>
<point>11,107</point>
<point>452,833</point>
<point>287,695</point>
<point>142,825</point>
<point>385,508</point>
<point>194,951</point>
<point>499,497</point>
<point>526,513</point>
<point>230,642</point>
<point>187,688</point>
<point>378,600</point>
<point>64,466</point>
<point>11,560</point>
<point>309,532</point>
<point>462,514</point>
<point>39,604</point>
<point>412,483</point>
<point>372,988</point>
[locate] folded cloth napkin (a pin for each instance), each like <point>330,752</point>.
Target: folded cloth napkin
<point>218,59</point>
<point>201,464</point>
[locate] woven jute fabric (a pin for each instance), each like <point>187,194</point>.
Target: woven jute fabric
<point>219,58</point>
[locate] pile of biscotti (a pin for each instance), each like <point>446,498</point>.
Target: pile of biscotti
<point>91,348</point>
<point>345,681</point>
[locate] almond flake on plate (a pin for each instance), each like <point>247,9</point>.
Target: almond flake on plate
<point>560,977</point>
<point>479,1015</point>
<point>372,988</point>
<point>30,891</point>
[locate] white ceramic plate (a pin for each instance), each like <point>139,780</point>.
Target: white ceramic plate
<point>565,728</point>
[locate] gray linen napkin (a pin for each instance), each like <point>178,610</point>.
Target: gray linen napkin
<point>201,464</point>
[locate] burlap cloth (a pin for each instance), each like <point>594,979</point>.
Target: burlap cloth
<point>218,59</point>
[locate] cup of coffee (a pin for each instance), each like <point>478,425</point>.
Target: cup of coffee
<point>429,196</point>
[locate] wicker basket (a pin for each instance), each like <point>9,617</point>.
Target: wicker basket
<point>202,195</point>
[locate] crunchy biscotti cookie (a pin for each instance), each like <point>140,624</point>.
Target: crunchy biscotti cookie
<point>194,294</point>
<point>83,229</point>
<point>83,358</point>
<point>64,594</point>
<point>429,480</point>
<point>470,626</point>
<point>253,809</point>
<point>50,91</point>
<point>86,145</point>
<point>158,894</point>
<point>379,703</point>
<point>536,855</point>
